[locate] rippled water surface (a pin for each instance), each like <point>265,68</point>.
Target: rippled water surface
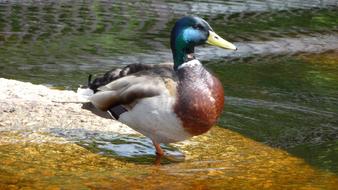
<point>279,128</point>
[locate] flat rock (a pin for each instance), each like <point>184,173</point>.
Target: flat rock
<point>36,113</point>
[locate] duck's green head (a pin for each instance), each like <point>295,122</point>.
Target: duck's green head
<point>191,31</point>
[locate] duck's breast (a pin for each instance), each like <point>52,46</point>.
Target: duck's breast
<point>200,98</point>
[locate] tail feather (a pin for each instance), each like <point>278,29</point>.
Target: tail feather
<point>85,93</point>
<point>89,80</point>
<point>105,79</point>
<point>104,100</point>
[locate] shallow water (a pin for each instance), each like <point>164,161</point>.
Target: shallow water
<point>281,91</point>
<point>214,161</point>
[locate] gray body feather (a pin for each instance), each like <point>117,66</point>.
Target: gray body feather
<point>132,83</point>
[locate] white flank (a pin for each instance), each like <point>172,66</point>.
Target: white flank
<point>154,118</point>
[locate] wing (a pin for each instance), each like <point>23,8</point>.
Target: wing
<point>127,89</point>
<point>162,69</point>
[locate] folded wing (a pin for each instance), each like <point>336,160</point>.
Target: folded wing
<point>131,84</point>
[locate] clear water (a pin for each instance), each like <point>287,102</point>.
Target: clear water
<point>281,86</point>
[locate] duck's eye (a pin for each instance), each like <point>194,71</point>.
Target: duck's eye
<point>198,26</point>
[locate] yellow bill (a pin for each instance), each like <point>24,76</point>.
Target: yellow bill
<point>216,40</point>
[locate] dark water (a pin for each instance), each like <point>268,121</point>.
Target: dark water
<point>281,86</point>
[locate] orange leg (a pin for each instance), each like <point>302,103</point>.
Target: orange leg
<point>159,151</point>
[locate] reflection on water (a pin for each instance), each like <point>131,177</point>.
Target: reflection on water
<point>42,41</point>
<point>281,89</point>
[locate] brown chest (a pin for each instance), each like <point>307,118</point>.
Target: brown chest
<point>199,102</point>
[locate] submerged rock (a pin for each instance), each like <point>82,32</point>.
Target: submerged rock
<point>36,113</point>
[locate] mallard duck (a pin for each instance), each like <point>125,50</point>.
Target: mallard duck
<point>167,103</point>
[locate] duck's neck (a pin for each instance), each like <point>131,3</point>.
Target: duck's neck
<point>181,51</point>
<point>181,56</point>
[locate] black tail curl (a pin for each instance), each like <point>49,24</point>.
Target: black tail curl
<point>115,74</point>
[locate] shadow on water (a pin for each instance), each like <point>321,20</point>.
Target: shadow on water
<point>136,149</point>
<point>139,150</point>
<point>128,148</point>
